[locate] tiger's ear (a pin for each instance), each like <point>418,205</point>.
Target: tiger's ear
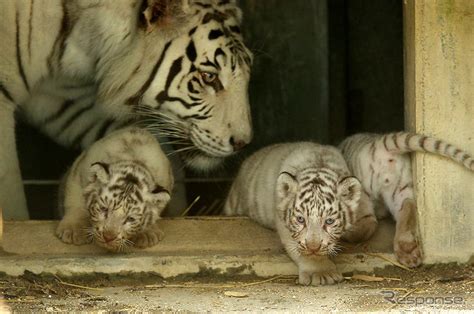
<point>155,12</point>
<point>227,7</point>
<point>99,171</point>
<point>286,184</point>
<point>349,191</point>
<point>160,195</point>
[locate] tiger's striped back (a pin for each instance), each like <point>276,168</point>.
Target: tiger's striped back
<point>405,142</point>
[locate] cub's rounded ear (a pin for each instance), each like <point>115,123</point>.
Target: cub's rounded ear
<point>349,191</point>
<point>160,194</point>
<point>99,171</point>
<point>286,184</point>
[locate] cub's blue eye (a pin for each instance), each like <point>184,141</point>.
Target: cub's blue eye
<point>329,221</point>
<point>300,219</point>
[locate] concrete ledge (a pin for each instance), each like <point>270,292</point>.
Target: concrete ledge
<point>192,246</point>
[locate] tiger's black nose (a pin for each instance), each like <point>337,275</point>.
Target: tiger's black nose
<point>237,144</point>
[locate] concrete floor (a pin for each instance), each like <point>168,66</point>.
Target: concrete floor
<point>451,285</point>
<point>224,246</point>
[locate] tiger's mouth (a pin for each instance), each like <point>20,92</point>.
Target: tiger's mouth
<point>211,145</point>
<point>194,156</point>
<point>313,253</point>
<point>109,246</point>
<point>117,246</point>
<point>197,148</point>
<point>327,251</point>
<point>201,160</point>
<point>322,251</point>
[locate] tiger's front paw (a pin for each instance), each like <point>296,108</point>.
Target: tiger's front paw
<point>73,233</point>
<point>148,238</point>
<point>407,250</point>
<point>319,279</point>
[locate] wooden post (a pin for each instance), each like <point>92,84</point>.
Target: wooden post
<point>439,100</point>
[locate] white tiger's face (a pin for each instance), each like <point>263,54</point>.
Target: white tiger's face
<point>201,103</point>
<point>122,201</point>
<point>316,207</point>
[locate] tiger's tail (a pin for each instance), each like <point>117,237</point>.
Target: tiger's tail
<point>404,142</point>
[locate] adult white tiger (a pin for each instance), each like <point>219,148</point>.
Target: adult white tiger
<point>181,58</point>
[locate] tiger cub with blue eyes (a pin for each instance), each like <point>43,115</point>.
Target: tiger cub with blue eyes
<point>306,193</point>
<point>115,192</point>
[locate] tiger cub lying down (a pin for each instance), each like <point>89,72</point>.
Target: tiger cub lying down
<point>305,191</point>
<point>385,172</point>
<point>115,192</point>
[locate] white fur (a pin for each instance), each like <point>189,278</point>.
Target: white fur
<point>131,145</point>
<point>265,188</point>
<point>102,62</point>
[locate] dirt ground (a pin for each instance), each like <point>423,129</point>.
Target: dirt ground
<point>448,287</point>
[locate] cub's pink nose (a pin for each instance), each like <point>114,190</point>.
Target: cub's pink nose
<point>313,246</point>
<point>109,236</point>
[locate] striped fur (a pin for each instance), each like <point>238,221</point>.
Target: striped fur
<point>304,191</point>
<point>79,69</point>
<point>384,169</point>
<point>76,123</point>
<point>116,191</point>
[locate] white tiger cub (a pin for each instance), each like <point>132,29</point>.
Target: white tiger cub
<point>385,172</point>
<point>115,192</point>
<point>305,191</point>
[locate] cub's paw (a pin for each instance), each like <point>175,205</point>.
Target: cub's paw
<point>72,233</point>
<point>148,238</point>
<point>319,279</point>
<point>408,251</point>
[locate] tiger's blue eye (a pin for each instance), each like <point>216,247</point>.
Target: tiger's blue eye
<point>130,220</point>
<point>300,219</point>
<point>329,221</point>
